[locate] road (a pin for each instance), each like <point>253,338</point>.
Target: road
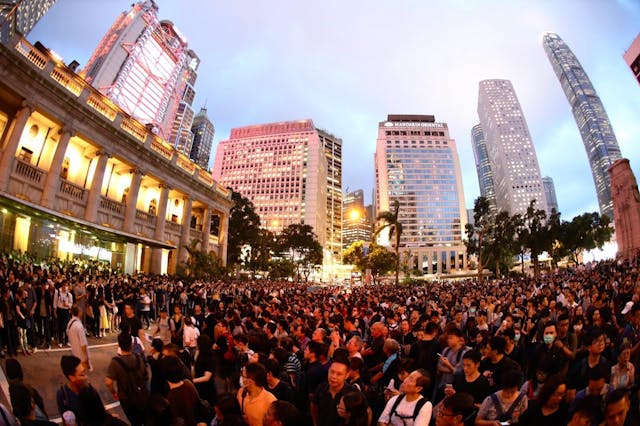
<point>42,371</point>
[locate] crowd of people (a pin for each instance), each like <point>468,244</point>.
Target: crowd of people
<point>563,348</point>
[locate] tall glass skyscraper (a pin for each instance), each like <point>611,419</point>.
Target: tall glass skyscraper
<point>144,65</point>
<point>203,133</point>
<point>550,194</point>
<point>513,159</point>
<point>21,16</point>
<point>416,164</point>
<point>483,165</point>
<point>591,118</point>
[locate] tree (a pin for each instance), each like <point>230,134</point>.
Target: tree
<point>244,227</point>
<point>258,255</point>
<point>538,233</point>
<point>477,233</point>
<point>356,255</point>
<point>200,265</point>
<point>300,244</point>
<point>380,260</point>
<point>585,232</point>
<point>390,220</point>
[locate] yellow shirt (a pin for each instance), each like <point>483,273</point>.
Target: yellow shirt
<point>255,408</point>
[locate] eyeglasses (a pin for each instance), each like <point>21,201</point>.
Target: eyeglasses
<point>442,413</point>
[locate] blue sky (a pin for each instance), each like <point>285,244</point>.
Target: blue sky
<point>347,64</point>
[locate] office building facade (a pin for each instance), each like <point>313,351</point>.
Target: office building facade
<point>282,169</point>
<point>81,179</point>
<point>550,194</point>
<point>632,58</point>
<point>416,164</point>
<point>203,133</point>
<point>592,120</point>
<point>483,165</point>
<point>20,16</point>
<point>144,65</point>
<point>512,156</point>
<point>332,147</point>
<point>356,221</point>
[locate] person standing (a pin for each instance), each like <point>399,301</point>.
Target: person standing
<point>62,301</point>
<point>77,336</point>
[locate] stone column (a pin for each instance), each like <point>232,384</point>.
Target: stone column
<point>448,260</point>
<point>457,260</point>
<point>93,200</point>
<point>222,239</point>
<point>11,146</point>
<point>156,256</point>
<point>206,229</point>
<point>186,226</point>
<point>132,200</point>
<point>438,261</point>
<point>464,260</point>
<point>52,180</point>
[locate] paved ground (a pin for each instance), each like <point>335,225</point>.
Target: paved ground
<point>42,370</point>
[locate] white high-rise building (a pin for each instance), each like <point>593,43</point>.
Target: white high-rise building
<point>20,16</point>
<point>513,159</point>
<point>416,164</point>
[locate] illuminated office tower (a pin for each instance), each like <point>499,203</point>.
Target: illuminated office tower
<point>632,57</point>
<point>20,16</point>
<point>145,67</point>
<point>514,164</point>
<point>333,155</point>
<point>282,169</point>
<point>550,194</point>
<point>356,222</point>
<point>590,115</point>
<point>483,165</point>
<point>203,132</point>
<point>416,164</point>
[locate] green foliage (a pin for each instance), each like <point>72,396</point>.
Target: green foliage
<point>244,227</point>
<point>585,232</point>
<point>538,233</point>
<point>200,265</point>
<point>355,255</point>
<point>299,243</point>
<point>377,258</point>
<point>390,221</point>
<point>258,255</point>
<point>281,269</point>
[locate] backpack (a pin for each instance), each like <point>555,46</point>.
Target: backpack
<point>502,416</point>
<point>135,386</point>
<point>416,409</point>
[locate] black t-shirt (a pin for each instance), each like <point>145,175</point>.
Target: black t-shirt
<point>327,405</point>
<point>131,325</point>
<point>425,352</point>
<point>479,388</point>
<point>282,392</point>
<point>495,371</point>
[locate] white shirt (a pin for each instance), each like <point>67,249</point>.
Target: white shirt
<point>406,408</point>
<point>77,337</point>
<point>190,336</point>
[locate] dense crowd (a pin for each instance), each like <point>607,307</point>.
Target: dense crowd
<point>560,349</point>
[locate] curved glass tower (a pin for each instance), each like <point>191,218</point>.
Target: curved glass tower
<point>591,118</point>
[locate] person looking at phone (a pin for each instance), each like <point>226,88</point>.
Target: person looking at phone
<point>470,381</point>
<point>505,405</point>
<point>496,362</point>
<point>450,360</point>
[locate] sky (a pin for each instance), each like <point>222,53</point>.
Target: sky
<point>346,64</point>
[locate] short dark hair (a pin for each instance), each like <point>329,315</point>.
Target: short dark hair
<point>431,328</point>
<point>68,364</point>
<point>272,367</point>
<point>460,404</point>
<point>598,372</point>
<point>257,372</point>
<point>125,341</point>
<point>592,336</point>
<point>498,343</point>
<point>511,378</point>
<point>286,413</point>
<point>615,396</point>
<point>473,355</point>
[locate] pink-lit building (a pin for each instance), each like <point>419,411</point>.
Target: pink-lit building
<point>145,67</point>
<point>632,57</point>
<point>290,171</point>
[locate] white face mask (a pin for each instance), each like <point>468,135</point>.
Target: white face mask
<point>577,327</point>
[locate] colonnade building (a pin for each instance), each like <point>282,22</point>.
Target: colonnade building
<point>80,178</point>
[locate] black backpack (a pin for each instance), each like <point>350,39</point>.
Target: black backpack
<point>416,409</point>
<point>135,386</point>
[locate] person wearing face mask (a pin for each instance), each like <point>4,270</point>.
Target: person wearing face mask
<point>549,350</point>
<point>513,349</point>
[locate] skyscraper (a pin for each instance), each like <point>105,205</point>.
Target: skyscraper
<point>203,132</point>
<point>416,164</point>
<point>333,154</point>
<point>632,57</point>
<point>356,223</point>
<point>511,153</point>
<point>144,66</point>
<point>550,194</point>
<point>21,16</point>
<point>483,165</point>
<point>590,115</point>
<point>283,169</point>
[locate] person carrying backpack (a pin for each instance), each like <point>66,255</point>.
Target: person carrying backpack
<point>410,407</point>
<point>127,380</point>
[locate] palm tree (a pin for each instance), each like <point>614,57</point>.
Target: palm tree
<point>391,222</point>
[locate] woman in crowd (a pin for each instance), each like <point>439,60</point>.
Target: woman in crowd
<point>505,405</point>
<point>204,367</point>
<point>353,409</point>
<point>550,408</point>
